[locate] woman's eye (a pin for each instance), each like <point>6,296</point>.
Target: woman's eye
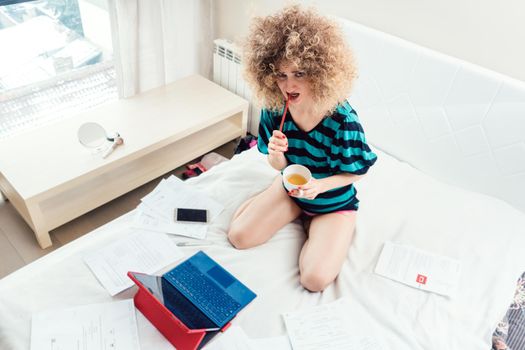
<point>281,76</point>
<point>300,74</point>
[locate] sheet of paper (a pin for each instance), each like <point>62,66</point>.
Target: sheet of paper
<point>107,326</point>
<point>236,339</point>
<point>139,252</point>
<point>419,269</point>
<point>174,193</point>
<point>326,327</point>
<point>274,343</point>
<point>144,219</point>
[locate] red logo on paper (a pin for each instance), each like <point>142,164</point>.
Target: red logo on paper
<point>421,279</point>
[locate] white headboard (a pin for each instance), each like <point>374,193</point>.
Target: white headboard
<point>453,120</point>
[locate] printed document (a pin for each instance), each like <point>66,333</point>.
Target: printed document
<point>157,210</point>
<point>174,193</point>
<point>419,269</point>
<point>107,326</point>
<point>145,219</point>
<point>328,327</point>
<point>138,252</point>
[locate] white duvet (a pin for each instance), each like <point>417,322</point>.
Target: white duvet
<point>398,203</point>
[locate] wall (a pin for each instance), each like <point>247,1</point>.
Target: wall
<point>485,32</point>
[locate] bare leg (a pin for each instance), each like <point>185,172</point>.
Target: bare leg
<point>259,218</point>
<point>243,206</point>
<point>326,249</point>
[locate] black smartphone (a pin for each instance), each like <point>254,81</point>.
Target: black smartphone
<point>191,215</point>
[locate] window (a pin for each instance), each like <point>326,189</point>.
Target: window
<point>56,60</point>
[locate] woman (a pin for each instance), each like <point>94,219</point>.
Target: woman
<point>300,59</point>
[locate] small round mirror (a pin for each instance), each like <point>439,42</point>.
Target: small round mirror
<point>92,135</point>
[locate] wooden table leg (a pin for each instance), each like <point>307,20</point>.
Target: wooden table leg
<point>39,225</point>
<point>43,238</point>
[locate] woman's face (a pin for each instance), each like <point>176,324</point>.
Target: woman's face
<point>294,85</point>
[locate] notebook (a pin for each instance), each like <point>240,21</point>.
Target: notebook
<point>199,292</point>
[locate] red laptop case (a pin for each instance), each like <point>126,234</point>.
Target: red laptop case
<point>167,323</point>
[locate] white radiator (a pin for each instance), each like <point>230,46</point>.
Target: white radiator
<point>227,73</point>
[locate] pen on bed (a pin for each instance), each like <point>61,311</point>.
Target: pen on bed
<point>191,244</point>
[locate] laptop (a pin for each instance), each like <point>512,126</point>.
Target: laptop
<point>199,292</point>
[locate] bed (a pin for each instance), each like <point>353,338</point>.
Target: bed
<point>447,180</point>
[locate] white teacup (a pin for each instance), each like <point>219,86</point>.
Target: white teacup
<point>296,175</point>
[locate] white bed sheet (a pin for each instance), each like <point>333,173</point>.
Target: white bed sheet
<point>398,203</point>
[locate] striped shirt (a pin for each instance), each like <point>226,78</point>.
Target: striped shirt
<point>336,145</point>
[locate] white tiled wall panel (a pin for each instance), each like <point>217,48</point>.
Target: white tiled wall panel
<point>456,121</point>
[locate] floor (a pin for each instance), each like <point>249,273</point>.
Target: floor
<point>19,247</point>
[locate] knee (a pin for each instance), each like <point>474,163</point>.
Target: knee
<point>315,280</point>
<point>238,237</point>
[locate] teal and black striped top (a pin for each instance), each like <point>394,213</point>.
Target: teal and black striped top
<point>336,145</point>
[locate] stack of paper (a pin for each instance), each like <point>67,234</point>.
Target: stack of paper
<point>157,209</point>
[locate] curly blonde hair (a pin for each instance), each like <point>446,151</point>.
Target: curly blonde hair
<point>309,41</point>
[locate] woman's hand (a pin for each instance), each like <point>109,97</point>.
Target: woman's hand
<point>278,143</point>
<point>309,190</point>
<point>315,186</point>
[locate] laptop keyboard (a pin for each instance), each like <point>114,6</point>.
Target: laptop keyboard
<point>185,311</point>
<point>216,303</point>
